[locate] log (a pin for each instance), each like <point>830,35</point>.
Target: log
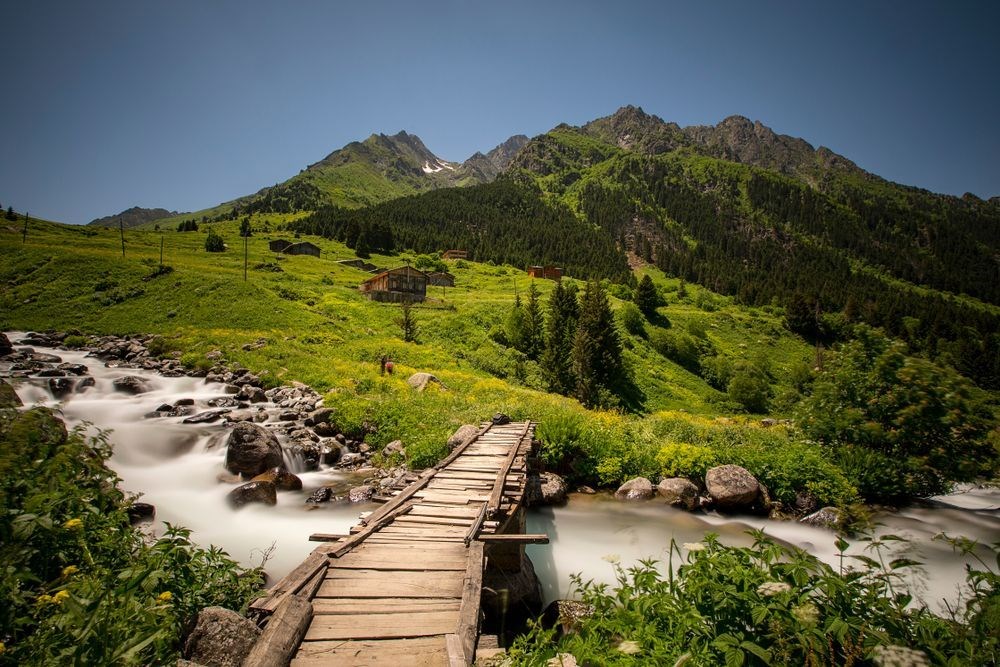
<point>283,634</point>
<point>530,538</point>
<point>472,589</point>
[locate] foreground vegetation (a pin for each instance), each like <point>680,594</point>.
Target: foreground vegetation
<point>80,586</point>
<point>771,605</point>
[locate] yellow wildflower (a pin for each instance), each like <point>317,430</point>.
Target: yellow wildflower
<point>70,570</point>
<point>165,596</point>
<point>3,648</point>
<point>60,596</point>
<point>73,524</point>
<point>629,647</point>
<point>44,598</point>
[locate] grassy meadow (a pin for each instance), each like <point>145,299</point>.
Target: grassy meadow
<point>320,330</point>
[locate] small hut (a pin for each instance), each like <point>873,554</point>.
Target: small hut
<point>404,284</point>
<point>547,272</point>
<point>441,279</point>
<point>287,247</point>
<point>455,254</point>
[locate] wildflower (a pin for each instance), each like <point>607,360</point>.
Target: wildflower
<point>3,648</point>
<point>562,660</point>
<point>70,570</point>
<point>772,588</point>
<point>165,596</point>
<point>899,656</point>
<point>614,559</point>
<point>60,596</point>
<point>43,599</point>
<point>629,647</point>
<point>694,546</point>
<point>73,524</point>
<point>807,614</point>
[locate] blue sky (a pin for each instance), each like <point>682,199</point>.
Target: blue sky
<point>187,104</point>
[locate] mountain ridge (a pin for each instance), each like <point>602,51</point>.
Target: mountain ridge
<point>132,217</point>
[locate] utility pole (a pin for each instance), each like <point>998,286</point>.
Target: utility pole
<point>161,251</point>
<point>24,232</point>
<point>121,228</point>
<point>245,256</point>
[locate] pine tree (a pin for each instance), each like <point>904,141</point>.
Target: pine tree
<point>556,361</point>
<point>534,334</point>
<point>646,296</point>
<point>408,323</point>
<point>245,230</point>
<point>514,326</point>
<point>597,350</point>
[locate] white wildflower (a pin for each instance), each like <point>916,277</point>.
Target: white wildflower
<point>614,559</point>
<point>629,647</point>
<point>562,660</point>
<point>694,546</point>
<point>807,613</point>
<point>772,588</point>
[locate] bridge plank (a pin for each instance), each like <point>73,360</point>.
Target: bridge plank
<point>382,583</point>
<point>418,652</point>
<point>382,626</point>
<point>383,605</point>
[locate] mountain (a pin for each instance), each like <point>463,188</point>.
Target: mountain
<point>485,168</point>
<point>133,217</point>
<point>735,207</point>
<point>378,169</point>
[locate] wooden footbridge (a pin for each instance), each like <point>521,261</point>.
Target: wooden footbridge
<point>404,587</point>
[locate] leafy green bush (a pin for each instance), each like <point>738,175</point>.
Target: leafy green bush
<point>922,417</point>
<point>78,583</point>
<point>678,347</point>
<point>680,459</point>
<point>749,387</point>
<point>214,242</point>
<point>769,604</point>
<point>632,319</point>
<point>75,342</point>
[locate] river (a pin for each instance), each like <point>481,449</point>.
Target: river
<point>176,467</point>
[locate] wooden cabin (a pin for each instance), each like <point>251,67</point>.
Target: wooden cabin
<point>455,254</point>
<point>440,279</point>
<point>547,272</point>
<point>279,245</point>
<point>405,284</point>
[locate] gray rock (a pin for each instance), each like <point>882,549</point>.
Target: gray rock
<point>221,638</point>
<point>420,381</point>
<point>731,487</point>
<point>394,447</point>
<point>361,494</point>
<point>828,517</point>
<point>8,397</point>
<point>678,492</point>
<point>73,369</point>
<point>546,489</point>
<point>130,384</point>
<point>500,419</point>
<point>566,615</point>
<point>638,488</point>
<point>5,346</point>
<point>523,591</point>
<point>206,417</point>
<point>325,429</point>
<point>61,386</point>
<point>240,416</point>
<point>251,450</point>
<point>85,384</point>
<point>141,513</point>
<point>461,435</point>
<point>321,416</point>
<point>264,492</point>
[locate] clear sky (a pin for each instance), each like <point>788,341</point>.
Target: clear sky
<point>185,104</point>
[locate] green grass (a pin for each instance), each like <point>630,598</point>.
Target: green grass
<point>322,331</point>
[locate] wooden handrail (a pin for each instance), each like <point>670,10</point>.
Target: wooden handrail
<point>501,480</point>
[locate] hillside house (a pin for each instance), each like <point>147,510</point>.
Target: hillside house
<point>404,284</point>
<point>440,279</point>
<point>289,248</point>
<point>455,254</point>
<point>547,272</point>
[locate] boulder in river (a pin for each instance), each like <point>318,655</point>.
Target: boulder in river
<point>253,492</point>
<point>252,449</point>
<point>828,517</point>
<point>361,494</point>
<point>638,488</point>
<point>546,489</point>
<point>5,346</point>
<point>130,384</point>
<point>8,397</point>
<point>206,417</point>
<point>678,492</point>
<point>221,638</point>
<point>394,447</point>
<point>731,486</point>
<point>141,513</point>
<point>281,478</point>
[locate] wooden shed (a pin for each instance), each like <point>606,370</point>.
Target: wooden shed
<point>404,284</point>
<point>300,248</point>
<point>279,245</point>
<point>547,272</point>
<point>441,279</point>
<point>455,254</point>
